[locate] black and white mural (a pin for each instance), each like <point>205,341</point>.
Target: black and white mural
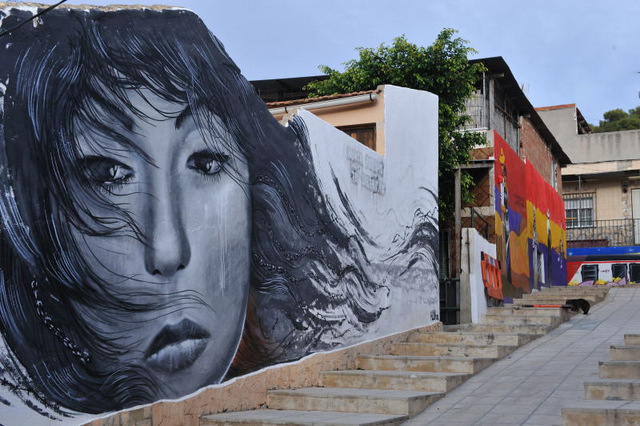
<point>161,232</point>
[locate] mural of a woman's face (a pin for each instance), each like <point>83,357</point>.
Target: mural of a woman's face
<point>190,201</point>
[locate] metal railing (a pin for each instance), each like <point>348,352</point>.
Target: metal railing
<point>605,233</point>
<point>483,226</point>
<point>450,301</point>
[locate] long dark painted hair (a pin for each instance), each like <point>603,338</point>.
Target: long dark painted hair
<point>309,281</point>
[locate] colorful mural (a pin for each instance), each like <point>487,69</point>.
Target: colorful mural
<point>611,266</point>
<point>530,225</point>
<point>161,232</point>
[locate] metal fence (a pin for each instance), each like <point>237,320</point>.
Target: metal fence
<point>450,301</point>
<point>605,233</point>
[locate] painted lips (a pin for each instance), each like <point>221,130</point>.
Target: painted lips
<point>177,346</point>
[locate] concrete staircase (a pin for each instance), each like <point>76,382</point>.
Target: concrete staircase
<point>613,399</point>
<point>553,295</point>
<point>388,389</point>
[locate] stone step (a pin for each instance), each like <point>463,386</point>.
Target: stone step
<point>511,310</point>
<point>440,364</point>
<point>551,298</point>
<point>379,401</point>
<point>619,369</point>
<point>632,339</point>
<point>476,338</point>
<point>625,353</point>
<point>268,417</point>
<point>452,349</point>
<point>620,389</point>
<point>394,380</point>
<point>601,413</point>
<point>540,301</point>
<point>506,328</point>
<point>522,320</point>
<point>575,289</point>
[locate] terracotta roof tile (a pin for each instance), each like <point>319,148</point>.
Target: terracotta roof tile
<point>549,108</point>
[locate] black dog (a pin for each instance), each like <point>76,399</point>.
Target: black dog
<point>579,304</point>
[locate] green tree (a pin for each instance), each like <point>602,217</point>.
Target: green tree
<point>443,68</point>
<point>618,119</point>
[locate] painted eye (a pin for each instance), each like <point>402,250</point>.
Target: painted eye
<point>207,162</point>
<point>106,171</point>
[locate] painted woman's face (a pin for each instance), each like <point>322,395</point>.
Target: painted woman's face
<point>190,201</point>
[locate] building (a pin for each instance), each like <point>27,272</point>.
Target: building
<point>602,186</point>
<point>517,205</point>
<point>360,115</point>
<point>522,214</point>
<point>601,192</point>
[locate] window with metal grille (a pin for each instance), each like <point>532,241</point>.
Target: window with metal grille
<point>634,272</point>
<point>589,273</point>
<point>619,270</point>
<point>579,210</point>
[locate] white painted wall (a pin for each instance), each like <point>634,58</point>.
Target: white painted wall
<point>386,192</point>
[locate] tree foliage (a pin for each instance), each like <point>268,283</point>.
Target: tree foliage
<point>618,119</point>
<point>443,68</point>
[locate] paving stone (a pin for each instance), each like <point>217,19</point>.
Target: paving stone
<point>570,355</point>
<point>529,386</point>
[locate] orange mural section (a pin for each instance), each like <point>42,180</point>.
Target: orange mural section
<point>491,276</point>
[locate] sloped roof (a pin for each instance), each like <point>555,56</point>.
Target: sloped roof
<point>495,65</point>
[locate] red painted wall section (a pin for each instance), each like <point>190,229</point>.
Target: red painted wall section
<point>530,225</point>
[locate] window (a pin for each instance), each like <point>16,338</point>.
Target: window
<point>364,133</point>
<point>634,272</point>
<point>589,273</point>
<point>579,210</point>
<point>619,270</point>
<point>554,174</point>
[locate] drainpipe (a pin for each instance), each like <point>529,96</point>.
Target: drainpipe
<point>367,97</point>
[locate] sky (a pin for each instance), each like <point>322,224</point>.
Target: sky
<point>583,52</point>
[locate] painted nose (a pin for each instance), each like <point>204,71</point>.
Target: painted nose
<point>167,250</point>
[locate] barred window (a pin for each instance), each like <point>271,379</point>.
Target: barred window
<point>579,210</point>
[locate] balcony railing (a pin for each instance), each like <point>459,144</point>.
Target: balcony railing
<point>605,233</point>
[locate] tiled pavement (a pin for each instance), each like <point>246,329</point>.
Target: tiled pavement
<point>533,384</point>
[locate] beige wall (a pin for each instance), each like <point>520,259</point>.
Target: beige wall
<point>351,115</point>
<point>594,147</point>
<point>611,201</point>
<point>605,179</point>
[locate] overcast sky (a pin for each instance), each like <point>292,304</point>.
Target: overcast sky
<point>585,52</point>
